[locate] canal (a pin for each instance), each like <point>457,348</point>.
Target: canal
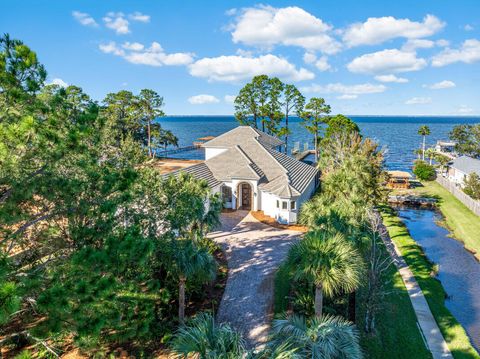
<point>459,271</point>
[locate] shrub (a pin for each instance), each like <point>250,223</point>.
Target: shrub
<point>472,186</point>
<point>424,171</point>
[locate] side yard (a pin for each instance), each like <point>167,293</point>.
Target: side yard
<point>454,334</point>
<point>402,340</point>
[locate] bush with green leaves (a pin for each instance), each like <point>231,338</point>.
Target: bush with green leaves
<point>319,337</point>
<point>424,171</point>
<point>203,338</point>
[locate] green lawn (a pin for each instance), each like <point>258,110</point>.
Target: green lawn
<point>422,268</point>
<point>397,334</point>
<point>460,220</point>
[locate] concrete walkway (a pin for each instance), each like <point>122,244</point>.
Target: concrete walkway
<point>433,336</point>
<point>254,251</point>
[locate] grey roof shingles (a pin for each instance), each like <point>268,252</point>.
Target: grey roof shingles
<point>467,164</point>
<point>199,171</point>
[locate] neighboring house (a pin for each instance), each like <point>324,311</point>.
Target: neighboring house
<point>246,166</point>
<point>446,148</point>
<point>461,167</point>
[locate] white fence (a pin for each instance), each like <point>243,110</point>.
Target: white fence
<point>461,196</point>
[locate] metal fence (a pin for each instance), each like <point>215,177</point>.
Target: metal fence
<point>461,196</point>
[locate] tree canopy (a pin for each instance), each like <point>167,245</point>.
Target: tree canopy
<point>467,138</point>
<point>86,226</point>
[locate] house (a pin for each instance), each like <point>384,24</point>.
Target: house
<point>446,148</point>
<point>246,166</point>
<point>461,167</point>
<point>398,179</point>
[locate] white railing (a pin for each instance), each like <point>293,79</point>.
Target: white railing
<point>468,201</point>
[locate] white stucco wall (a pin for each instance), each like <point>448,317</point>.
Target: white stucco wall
<point>457,176</point>
<point>212,152</point>
<point>269,204</point>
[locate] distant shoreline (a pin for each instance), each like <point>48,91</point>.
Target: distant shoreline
<point>375,116</point>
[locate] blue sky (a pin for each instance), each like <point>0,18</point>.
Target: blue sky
<point>364,57</point>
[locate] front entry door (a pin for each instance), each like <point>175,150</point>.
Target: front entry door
<point>246,196</point>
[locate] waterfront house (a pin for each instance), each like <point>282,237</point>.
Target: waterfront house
<point>461,167</point>
<point>446,148</point>
<point>248,168</point>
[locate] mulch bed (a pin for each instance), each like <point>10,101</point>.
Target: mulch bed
<point>261,217</point>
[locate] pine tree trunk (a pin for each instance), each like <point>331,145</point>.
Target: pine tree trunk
<point>286,135</point>
<point>149,140</point>
<point>181,300</point>
<point>318,300</point>
<point>316,145</point>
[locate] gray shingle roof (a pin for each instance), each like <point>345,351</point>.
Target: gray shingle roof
<point>199,171</point>
<point>467,164</point>
<point>233,136</point>
<point>298,173</point>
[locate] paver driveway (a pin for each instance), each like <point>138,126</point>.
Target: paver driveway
<point>254,251</point>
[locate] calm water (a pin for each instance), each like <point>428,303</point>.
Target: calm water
<point>398,135</point>
<point>459,270</point>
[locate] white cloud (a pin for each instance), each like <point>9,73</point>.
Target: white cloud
<point>138,16</point>
<point>320,63</point>
<point>387,62</point>
<point>391,78</point>
<point>380,29</point>
<point>84,18</point>
<point>441,85</point>
<point>418,101</point>
<point>230,98</point>
<point>413,44</point>
<point>464,110</point>
<point>468,53</point>
<point>309,58</point>
<point>203,99</point>
<point>348,91</point>
<point>266,26</point>
<point>468,27</point>
<point>133,46</point>
<point>111,48</point>
<point>117,22</point>
<point>236,68</point>
<point>154,55</point>
<point>347,97</point>
<point>231,12</point>
<point>442,43</point>
<point>58,82</point>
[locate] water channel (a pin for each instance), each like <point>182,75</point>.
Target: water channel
<point>459,271</point>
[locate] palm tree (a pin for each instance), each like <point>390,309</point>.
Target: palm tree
<point>430,153</point>
<point>328,260</point>
<point>423,131</point>
<point>325,337</point>
<point>190,262</point>
<point>204,339</point>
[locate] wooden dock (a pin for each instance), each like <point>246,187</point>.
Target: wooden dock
<point>301,155</point>
<point>177,150</point>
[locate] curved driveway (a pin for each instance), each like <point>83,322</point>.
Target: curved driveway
<point>254,251</point>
